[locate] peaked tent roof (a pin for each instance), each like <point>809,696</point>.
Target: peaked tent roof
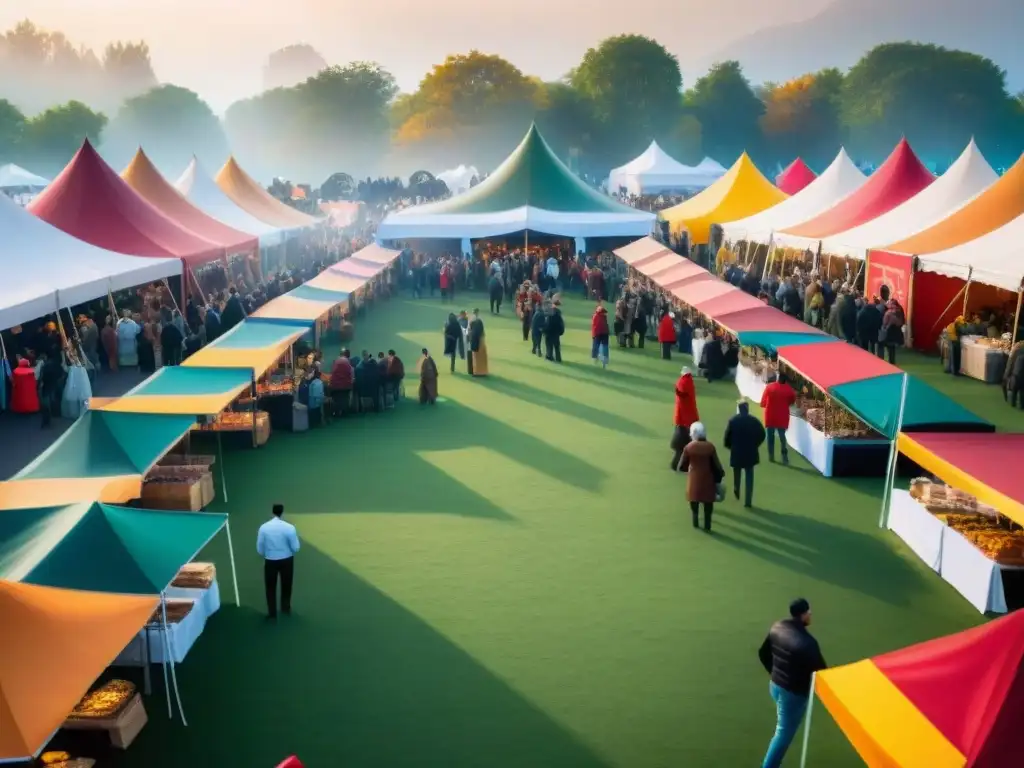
<point>841,178</point>
<point>996,258</point>
<point>88,200</point>
<point>965,179</point>
<point>248,194</point>
<point>55,643</point>
<point>656,171</point>
<point>202,191</point>
<point>14,176</point>
<point>998,205</point>
<point>56,270</point>
<point>952,701</point>
<point>741,192</point>
<point>531,190</point>
<point>132,551</point>
<point>796,176</point>
<point>144,178</point>
<point>898,179</point>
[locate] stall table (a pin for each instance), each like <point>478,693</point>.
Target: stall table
<point>182,634</point>
<point>980,361</point>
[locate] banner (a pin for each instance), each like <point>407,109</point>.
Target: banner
<point>892,270</point>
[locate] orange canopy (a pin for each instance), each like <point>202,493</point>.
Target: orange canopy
<point>247,194</point>
<point>996,206</point>
<point>54,644</point>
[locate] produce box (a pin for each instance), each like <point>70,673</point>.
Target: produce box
<point>181,460</point>
<point>123,727</point>
<point>195,576</point>
<point>188,488</point>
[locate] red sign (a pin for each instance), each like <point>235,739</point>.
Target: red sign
<point>892,270</point>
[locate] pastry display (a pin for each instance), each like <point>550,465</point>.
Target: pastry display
<point>177,610</point>
<point>195,576</point>
<point>106,701</point>
<point>236,422</point>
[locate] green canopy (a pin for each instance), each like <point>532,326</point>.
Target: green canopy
<point>877,401</point>
<point>770,341</point>
<point>531,176</point>
<point>100,548</point>
<point>108,444</point>
<point>179,380</point>
<point>248,335</point>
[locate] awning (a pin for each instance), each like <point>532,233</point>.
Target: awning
<point>183,390</point>
<point>54,644</point>
<point>290,308</point>
<point>115,489</point>
<point>771,341</point>
<point>251,345</point>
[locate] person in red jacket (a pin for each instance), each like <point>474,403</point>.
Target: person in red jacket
<point>599,334</point>
<point>25,393</point>
<point>667,334</point>
<point>776,401</point>
<point>686,415</point>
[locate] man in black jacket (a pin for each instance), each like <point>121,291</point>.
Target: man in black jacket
<point>553,334</point>
<point>791,656</point>
<point>743,437</point>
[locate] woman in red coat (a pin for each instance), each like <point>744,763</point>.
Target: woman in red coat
<point>776,401</point>
<point>667,334</point>
<point>685,415</point>
<point>599,335</point>
<point>24,394</point>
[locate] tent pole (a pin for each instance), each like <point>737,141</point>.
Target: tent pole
<point>948,307</point>
<point>909,340</point>
<point>890,474</point>
<point>169,651</point>
<point>231,554</point>
<point>1016,316</point>
<point>807,722</point>
<point>220,457</point>
<point>163,661</point>
<point>967,292</point>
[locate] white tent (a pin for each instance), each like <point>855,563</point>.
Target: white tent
<point>457,179</point>
<point>45,269</point>
<point>836,182</point>
<point>968,177</point>
<point>202,191</point>
<point>15,177</point>
<point>656,171</point>
<point>996,258</point>
<point>410,224</point>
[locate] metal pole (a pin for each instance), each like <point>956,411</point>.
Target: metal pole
<point>807,722</point>
<point>1016,316</point>
<point>890,474</point>
<point>223,476</point>
<point>231,554</point>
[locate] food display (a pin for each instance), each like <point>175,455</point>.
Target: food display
<point>195,576</point>
<point>1001,344</point>
<point>236,422</point>
<point>106,701</point>
<point>979,523</point>
<point>64,760</point>
<point>177,610</point>
<point>178,487</point>
<point>833,420</point>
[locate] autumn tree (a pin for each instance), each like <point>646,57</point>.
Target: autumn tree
<point>801,119</point>
<point>725,105</point>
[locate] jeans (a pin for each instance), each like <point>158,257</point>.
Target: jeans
<point>782,441</point>
<point>554,348</point>
<point>536,338</point>
<point>599,349</point>
<point>748,488</point>
<point>884,348</point>
<point>790,709</point>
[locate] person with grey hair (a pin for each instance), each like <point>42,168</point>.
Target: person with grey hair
<point>704,473</point>
<point>743,437</point>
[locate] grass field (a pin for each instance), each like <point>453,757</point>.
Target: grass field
<point>511,579</point>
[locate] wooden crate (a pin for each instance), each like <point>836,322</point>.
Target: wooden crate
<point>192,460</point>
<point>122,729</point>
<point>192,496</point>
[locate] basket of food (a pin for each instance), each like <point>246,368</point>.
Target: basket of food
<point>195,576</point>
<point>105,702</point>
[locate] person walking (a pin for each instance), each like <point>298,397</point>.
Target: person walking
<point>776,400</point>
<point>452,337</point>
<point>599,334</point>
<point>791,655</point>
<point>428,379</point>
<point>743,437</point>
<point>277,542</point>
<point>537,325</point>
<point>685,415</point>
<point>667,334</point>
<point>553,331</point>
<point>704,473</point>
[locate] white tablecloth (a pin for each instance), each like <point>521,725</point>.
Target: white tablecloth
<point>209,598</point>
<point>183,634</point>
<point>945,551</point>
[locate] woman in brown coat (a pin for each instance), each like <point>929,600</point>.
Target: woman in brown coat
<point>704,473</point>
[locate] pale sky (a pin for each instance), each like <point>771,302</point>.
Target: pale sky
<point>218,47</point>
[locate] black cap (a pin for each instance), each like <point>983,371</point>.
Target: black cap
<point>799,607</point>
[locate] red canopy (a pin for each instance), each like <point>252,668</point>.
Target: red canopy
<point>726,303</point>
<point>899,178</point>
<point>832,363</point>
<point>88,200</point>
<point>797,176</point>
<point>145,179</point>
<point>764,318</point>
<point>702,290</point>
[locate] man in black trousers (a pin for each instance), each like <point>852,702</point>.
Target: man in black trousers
<point>277,542</point>
<point>553,331</point>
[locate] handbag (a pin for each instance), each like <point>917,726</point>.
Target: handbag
<point>720,492</point>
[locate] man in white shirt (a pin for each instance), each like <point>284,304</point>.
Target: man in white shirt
<point>277,542</point>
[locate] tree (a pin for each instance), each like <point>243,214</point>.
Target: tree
<point>634,86</point>
<point>53,137</point>
<point>12,129</point>
<point>801,119</point>
<point>687,140</point>
<point>339,186</point>
<point>128,68</point>
<point>569,125</point>
<point>171,124</point>
<point>937,98</point>
<point>468,109</point>
<point>292,65</point>
<point>728,111</point>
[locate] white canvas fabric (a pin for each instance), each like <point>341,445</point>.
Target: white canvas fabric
<point>45,269</point>
<point>836,182</point>
<point>967,178</point>
<point>656,171</point>
<point>14,177</point>
<point>202,191</point>
<point>412,224</point>
<point>997,258</point>
<point>457,179</point>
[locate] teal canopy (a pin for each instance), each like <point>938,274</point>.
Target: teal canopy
<point>181,380</point>
<point>101,548</point>
<point>770,341</point>
<point>107,444</point>
<point>312,293</point>
<point>877,402</point>
<point>249,335</point>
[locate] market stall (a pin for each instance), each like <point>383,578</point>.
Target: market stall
<point>795,177</point>
<point>655,171</point>
<point>983,358</point>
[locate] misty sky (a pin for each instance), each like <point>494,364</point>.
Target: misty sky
<point>218,47</point>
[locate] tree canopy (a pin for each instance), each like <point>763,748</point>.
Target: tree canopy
<point>728,111</point>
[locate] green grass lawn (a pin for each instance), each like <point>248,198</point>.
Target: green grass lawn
<point>511,579</point>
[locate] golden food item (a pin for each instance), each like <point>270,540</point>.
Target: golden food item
<point>176,612</point>
<point>105,701</point>
<point>195,576</point>
<point>53,758</point>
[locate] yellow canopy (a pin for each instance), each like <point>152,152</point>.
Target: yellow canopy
<point>334,281</point>
<point>58,492</point>
<point>292,308</point>
<point>247,194</point>
<point>257,359</point>
<point>741,192</point>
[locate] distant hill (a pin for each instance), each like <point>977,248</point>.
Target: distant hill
<point>845,30</point>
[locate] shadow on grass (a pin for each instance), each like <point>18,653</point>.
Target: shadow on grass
<point>352,678</point>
